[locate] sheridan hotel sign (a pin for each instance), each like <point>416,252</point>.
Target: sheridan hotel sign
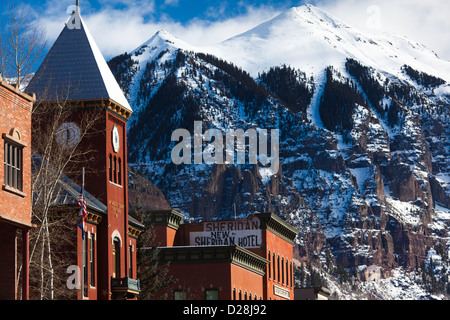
<point>244,233</point>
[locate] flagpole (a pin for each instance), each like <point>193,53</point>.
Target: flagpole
<point>82,185</point>
<point>82,194</point>
<point>83,262</point>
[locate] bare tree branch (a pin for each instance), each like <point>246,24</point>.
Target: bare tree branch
<point>22,43</point>
<point>52,162</point>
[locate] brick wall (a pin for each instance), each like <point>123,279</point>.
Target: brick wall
<point>8,262</point>
<point>15,120</point>
<point>15,205</point>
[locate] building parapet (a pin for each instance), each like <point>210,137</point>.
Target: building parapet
<point>275,224</point>
<point>29,97</point>
<point>215,254</point>
<point>170,218</point>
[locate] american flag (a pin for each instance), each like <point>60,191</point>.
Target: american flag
<point>83,212</point>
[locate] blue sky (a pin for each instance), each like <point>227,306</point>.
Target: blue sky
<point>186,10</point>
<point>122,25</point>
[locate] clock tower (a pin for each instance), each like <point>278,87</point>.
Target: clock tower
<point>76,70</point>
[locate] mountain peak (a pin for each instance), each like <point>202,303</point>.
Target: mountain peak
<point>359,132</point>
<point>166,35</point>
<point>312,15</point>
<point>163,40</point>
<point>308,38</point>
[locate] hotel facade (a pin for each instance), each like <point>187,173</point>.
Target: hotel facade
<point>238,259</point>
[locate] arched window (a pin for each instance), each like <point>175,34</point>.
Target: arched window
<point>116,258</point>
<point>13,152</point>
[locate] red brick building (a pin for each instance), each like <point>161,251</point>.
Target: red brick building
<point>15,193</point>
<point>75,71</point>
<point>240,259</point>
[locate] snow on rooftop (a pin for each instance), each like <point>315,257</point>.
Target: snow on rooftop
<point>113,88</point>
<point>75,69</point>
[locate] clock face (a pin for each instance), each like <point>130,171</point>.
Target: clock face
<point>68,135</point>
<point>115,139</point>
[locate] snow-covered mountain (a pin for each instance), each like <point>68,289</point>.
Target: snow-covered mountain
<point>364,144</point>
<point>308,38</point>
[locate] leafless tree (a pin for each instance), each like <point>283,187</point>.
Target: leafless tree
<point>53,241</point>
<point>22,43</point>
<point>57,154</point>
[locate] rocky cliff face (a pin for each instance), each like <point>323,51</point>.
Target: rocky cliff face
<point>143,194</point>
<point>366,186</point>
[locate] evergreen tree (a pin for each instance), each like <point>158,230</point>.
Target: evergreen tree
<point>291,87</point>
<point>154,279</point>
<point>422,78</point>
<point>338,101</point>
<point>371,87</point>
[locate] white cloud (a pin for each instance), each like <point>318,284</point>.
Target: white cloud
<point>171,2</point>
<point>117,31</point>
<point>202,32</point>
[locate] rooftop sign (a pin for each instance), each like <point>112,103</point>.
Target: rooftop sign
<point>244,233</point>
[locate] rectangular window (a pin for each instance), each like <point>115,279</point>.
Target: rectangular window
<point>130,261</point>
<point>115,170</point>
<point>278,269</point>
<point>273,267</point>
<point>287,273</point>
<point>212,294</point>
<point>110,168</point>
<point>92,260</point>
<point>116,258</point>
<point>291,274</point>
<point>179,295</point>
<point>85,267</point>
<point>119,172</point>
<point>13,166</point>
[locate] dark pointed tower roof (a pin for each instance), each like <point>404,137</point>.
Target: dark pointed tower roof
<point>75,69</point>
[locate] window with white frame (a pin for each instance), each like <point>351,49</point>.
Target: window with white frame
<point>13,161</point>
